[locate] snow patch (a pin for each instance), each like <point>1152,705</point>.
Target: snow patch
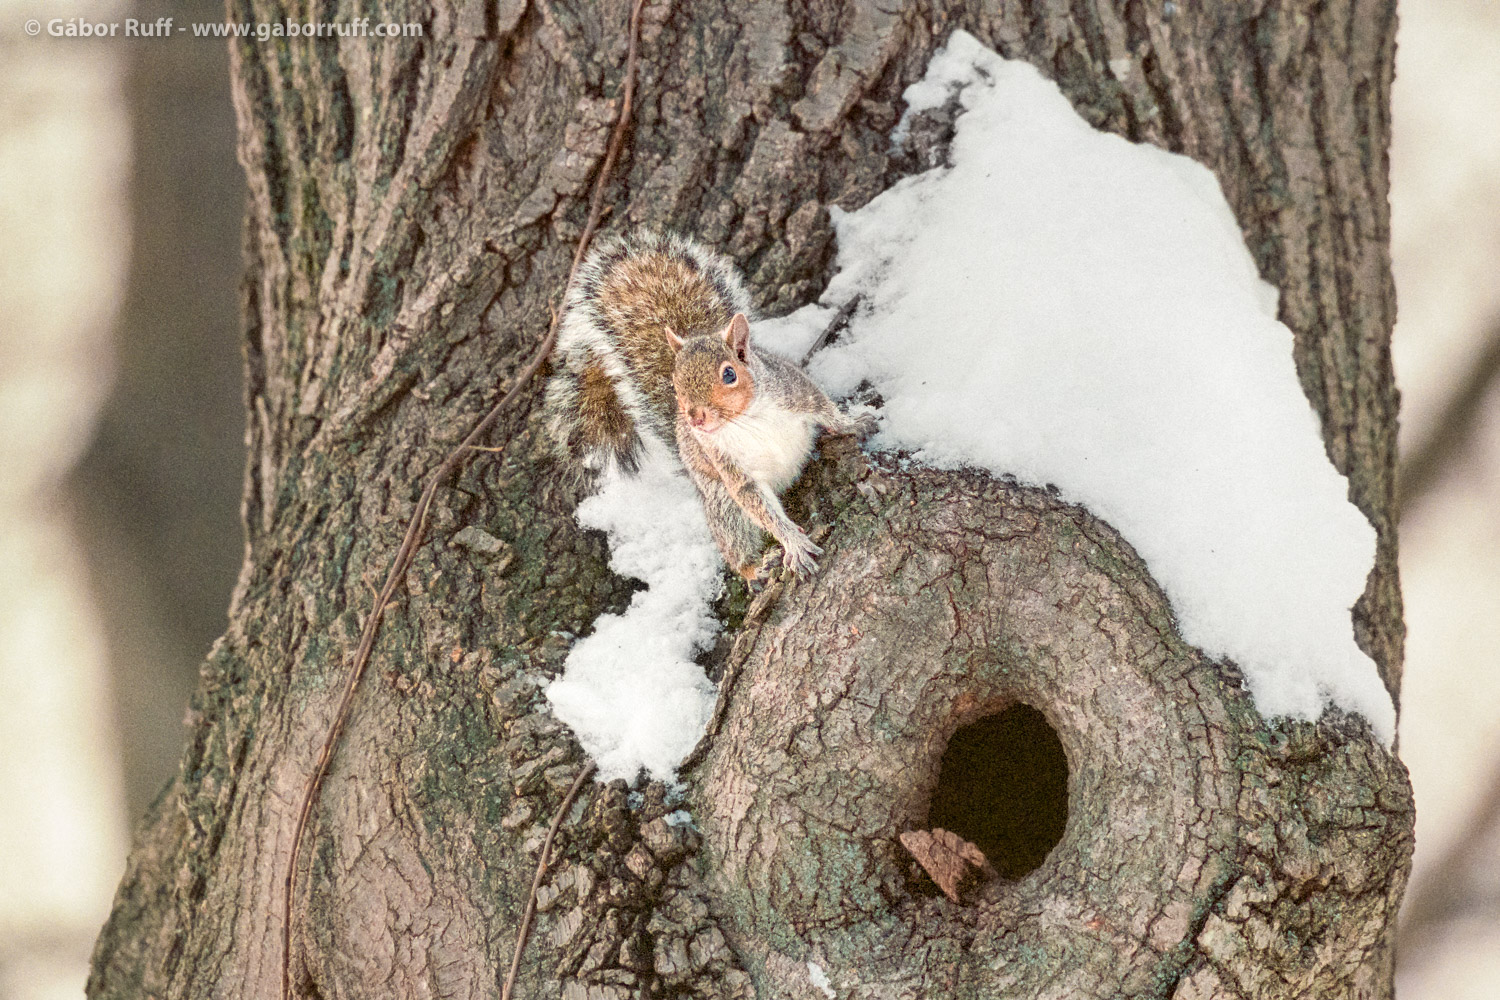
<point>631,691</point>
<point>1071,308</point>
<point>819,979</point>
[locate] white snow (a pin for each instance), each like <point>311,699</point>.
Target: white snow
<point>630,690</point>
<point>1070,308</point>
<point>819,979</point>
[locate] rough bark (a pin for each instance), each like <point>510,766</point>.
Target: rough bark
<point>412,205</point>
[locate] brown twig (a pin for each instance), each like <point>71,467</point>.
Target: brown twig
<point>839,321</point>
<point>418,522</point>
<point>542,863</point>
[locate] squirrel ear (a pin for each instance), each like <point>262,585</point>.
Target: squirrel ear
<point>674,341</point>
<point>737,335</point>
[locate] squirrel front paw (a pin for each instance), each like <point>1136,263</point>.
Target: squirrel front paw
<point>800,554</point>
<point>800,558</point>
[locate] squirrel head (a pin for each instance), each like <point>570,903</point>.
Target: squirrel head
<point>711,375</point>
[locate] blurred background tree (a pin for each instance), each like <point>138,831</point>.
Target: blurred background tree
<point>120,209</point>
<point>157,493</point>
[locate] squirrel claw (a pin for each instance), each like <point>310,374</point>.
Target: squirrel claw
<point>801,556</point>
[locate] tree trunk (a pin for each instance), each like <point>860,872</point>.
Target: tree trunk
<point>412,209</point>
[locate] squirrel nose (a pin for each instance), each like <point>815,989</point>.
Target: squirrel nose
<point>696,417</point>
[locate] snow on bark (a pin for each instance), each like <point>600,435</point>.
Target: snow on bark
<point>1069,308</point>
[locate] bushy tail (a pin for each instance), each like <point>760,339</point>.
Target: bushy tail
<point>608,389</point>
<point>590,427</point>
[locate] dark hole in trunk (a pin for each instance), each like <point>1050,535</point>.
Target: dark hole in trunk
<point>1004,788</point>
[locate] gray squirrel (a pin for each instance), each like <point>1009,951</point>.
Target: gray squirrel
<point>655,339</point>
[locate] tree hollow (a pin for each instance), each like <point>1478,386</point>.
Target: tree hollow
<point>957,627</point>
<point>1003,786</point>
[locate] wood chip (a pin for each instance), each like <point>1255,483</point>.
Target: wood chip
<point>952,862</point>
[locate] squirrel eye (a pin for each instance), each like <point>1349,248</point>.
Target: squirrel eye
<point>729,375</point>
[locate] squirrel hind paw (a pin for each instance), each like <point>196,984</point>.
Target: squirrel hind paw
<point>864,425</point>
<point>757,573</point>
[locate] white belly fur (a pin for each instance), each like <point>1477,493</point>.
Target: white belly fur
<point>769,443</point>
